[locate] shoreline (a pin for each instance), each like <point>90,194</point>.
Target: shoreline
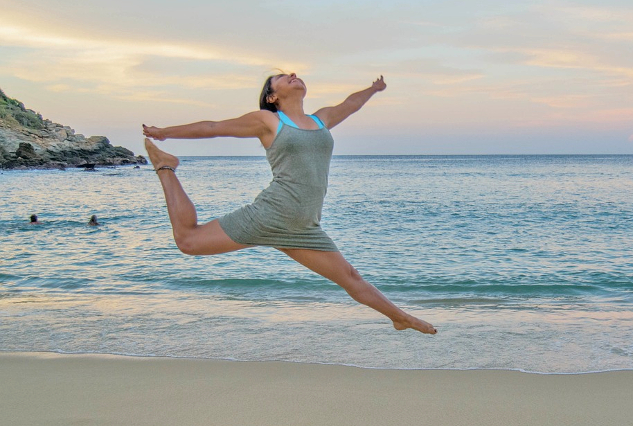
<point>45,354</point>
<point>60,389</point>
<point>66,166</point>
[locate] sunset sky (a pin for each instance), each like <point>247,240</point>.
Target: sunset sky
<point>485,77</point>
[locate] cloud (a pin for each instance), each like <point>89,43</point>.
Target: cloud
<point>591,14</point>
<point>591,39</point>
<point>22,36</point>
<point>631,138</point>
<point>432,70</point>
<point>617,36</point>
<point>125,69</point>
<point>563,101</point>
<point>576,59</point>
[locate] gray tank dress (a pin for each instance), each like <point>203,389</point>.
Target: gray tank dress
<point>287,214</point>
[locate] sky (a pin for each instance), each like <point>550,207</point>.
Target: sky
<point>463,77</point>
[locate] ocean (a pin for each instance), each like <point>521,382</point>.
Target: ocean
<point>521,263</point>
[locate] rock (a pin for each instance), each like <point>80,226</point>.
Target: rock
<point>29,141</point>
<point>123,152</point>
<point>25,151</point>
<point>61,134</point>
<point>4,154</point>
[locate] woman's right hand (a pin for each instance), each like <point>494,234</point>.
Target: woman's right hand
<point>153,132</point>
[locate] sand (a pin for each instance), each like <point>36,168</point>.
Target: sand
<point>50,389</point>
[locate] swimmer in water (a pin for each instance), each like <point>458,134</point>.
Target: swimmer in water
<point>93,221</point>
<point>287,214</point>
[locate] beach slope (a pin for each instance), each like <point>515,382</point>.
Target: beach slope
<point>51,389</point>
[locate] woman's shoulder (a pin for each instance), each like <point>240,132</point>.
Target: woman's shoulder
<point>264,115</point>
<point>259,117</point>
<point>270,118</point>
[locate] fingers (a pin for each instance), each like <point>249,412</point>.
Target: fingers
<point>153,133</point>
<point>380,84</point>
<point>147,131</point>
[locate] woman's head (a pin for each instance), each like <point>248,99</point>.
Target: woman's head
<point>280,87</point>
<point>33,218</point>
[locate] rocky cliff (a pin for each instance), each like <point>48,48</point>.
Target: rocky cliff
<point>29,141</point>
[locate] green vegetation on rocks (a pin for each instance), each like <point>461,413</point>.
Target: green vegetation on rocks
<point>13,110</point>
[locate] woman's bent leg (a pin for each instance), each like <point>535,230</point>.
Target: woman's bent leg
<point>190,237</point>
<point>333,266</point>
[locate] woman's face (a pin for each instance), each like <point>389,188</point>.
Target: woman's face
<point>283,84</point>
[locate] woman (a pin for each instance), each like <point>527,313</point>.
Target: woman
<point>286,215</point>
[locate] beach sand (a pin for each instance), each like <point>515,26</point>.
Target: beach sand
<point>51,389</point>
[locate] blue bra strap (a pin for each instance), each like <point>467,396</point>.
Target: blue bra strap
<point>317,121</point>
<point>284,119</point>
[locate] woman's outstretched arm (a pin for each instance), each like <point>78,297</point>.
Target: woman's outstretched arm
<point>257,124</point>
<point>331,116</point>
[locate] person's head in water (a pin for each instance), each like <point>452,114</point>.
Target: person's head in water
<point>279,88</point>
<point>34,220</point>
<point>93,220</point>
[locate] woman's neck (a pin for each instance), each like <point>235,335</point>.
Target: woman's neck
<point>292,108</point>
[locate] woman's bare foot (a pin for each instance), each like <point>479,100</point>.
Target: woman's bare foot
<point>159,158</point>
<point>416,324</point>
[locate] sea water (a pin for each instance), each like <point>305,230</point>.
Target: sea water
<point>521,262</point>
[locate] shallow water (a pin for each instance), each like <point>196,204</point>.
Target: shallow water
<point>521,262</point>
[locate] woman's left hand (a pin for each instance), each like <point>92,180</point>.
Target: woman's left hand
<point>153,132</point>
<point>379,84</point>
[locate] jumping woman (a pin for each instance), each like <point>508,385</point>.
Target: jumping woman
<point>287,214</point>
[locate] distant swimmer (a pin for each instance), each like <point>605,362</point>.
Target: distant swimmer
<point>93,221</point>
<point>34,220</point>
<point>287,214</point>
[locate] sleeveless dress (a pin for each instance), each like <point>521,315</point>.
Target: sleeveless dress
<point>287,214</point>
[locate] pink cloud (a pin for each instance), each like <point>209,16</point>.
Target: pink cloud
<point>631,138</point>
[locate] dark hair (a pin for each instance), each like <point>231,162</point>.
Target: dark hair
<point>33,218</point>
<point>267,90</point>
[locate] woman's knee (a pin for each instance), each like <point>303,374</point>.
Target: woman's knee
<point>353,274</point>
<point>354,282</point>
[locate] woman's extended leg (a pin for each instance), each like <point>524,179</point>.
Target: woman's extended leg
<point>190,237</point>
<point>333,266</point>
